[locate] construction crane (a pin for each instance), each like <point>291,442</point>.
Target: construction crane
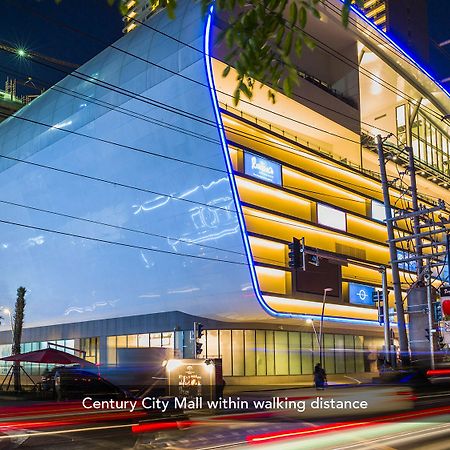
<point>22,53</point>
<point>30,83</point>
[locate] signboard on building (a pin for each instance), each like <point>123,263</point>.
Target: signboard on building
<point>444,291</point>
<point>446,333</point>
<point>262,168</point>
<point>192,378</point>
<point>360,294</point>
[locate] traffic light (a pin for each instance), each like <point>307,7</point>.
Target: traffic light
<point>438,311</point>
<point>200,330</point>
<point>295,254</point>
<point>377,296</point>
<point>441,342</point>
<point>427,334</point>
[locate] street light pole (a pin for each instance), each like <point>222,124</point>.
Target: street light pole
<point>311,322</point>
<point>325,291</point>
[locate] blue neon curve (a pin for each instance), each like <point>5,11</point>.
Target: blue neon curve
<point>397,46</point>
<point>236,199</point>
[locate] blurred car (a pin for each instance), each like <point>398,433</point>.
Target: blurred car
<point>73,383</point>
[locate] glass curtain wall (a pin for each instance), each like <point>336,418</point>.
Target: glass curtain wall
<point>430,144</point>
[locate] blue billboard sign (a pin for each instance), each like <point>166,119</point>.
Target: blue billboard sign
<point>360,294</point>
<point>262,168</point>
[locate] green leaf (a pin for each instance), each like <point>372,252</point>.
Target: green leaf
<point>287,86</point>
<point>315,13</point>
<point>288,43</point>
<point>236,96</point>
<point>302,17</point>
<point>298,45</point>
<point>246,90</point>
<point>345,15</point>
<point>309,42</point>
<point>280,34</point>
<point>293,11</point>
<point>226,71</point>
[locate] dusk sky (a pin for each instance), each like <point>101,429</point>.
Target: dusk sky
<point>41,26</point>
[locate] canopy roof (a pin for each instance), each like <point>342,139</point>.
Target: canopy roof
<point>48,356</point>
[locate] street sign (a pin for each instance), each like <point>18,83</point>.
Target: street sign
<point>444,291</point>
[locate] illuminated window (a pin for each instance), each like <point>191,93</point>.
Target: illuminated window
<point>143,340</point>
<point>121,342</point>
<point>378,212</point>
<point>155,339</point>
<point>330,217</point>
<point>167,339</point>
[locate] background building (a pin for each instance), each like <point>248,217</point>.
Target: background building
<point>9,102</point>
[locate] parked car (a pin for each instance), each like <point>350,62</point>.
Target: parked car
<point>73,383</point>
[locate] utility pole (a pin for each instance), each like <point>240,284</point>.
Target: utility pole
<point>419,297</point>
<point>402,336</point>
<point>387,333</point>
<point>415,207</point>
<point>430,315</point>
<point>420,294</point>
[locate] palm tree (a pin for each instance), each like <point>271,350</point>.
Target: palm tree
<point>17,333</point>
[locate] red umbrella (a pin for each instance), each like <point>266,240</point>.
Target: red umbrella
<point>48,356</point>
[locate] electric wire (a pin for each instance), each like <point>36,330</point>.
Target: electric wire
<point>122,244</point>
<point>118,227</point>
<point>283,116</point>
<point>333,166</point>
<point>272,220</point>
<point>95,38</point>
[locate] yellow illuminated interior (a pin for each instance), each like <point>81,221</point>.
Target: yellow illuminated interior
<point>310,180</point>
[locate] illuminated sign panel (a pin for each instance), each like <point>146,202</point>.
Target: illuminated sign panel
<point>262,168</point>
<point>360,294</point>
<point>330,217</point>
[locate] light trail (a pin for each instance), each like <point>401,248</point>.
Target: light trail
<point>74,430</point>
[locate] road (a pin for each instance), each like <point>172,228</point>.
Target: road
<point>65,426</point>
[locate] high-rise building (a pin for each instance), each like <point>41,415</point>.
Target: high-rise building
<point>405,21</point>
<point>141,200</point>
<point>9,102</point>
<point>138,11</point>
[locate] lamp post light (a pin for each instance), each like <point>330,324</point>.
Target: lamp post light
<point>325,291</point>
<point>311,322</point>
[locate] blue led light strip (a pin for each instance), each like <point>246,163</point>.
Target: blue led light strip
<point>397,46</point>
<point>237,202</point>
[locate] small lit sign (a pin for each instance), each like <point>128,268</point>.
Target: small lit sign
<point>360,294</point>
<point>262,168</point>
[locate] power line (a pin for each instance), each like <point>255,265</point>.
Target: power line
<point>143,151</point>
<point>319,129</point>
<point>94,38</point>
<point>118,227</point>
<point>145,190</point>
<point>122,244</point>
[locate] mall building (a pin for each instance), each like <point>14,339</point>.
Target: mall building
<point>137,199</point>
